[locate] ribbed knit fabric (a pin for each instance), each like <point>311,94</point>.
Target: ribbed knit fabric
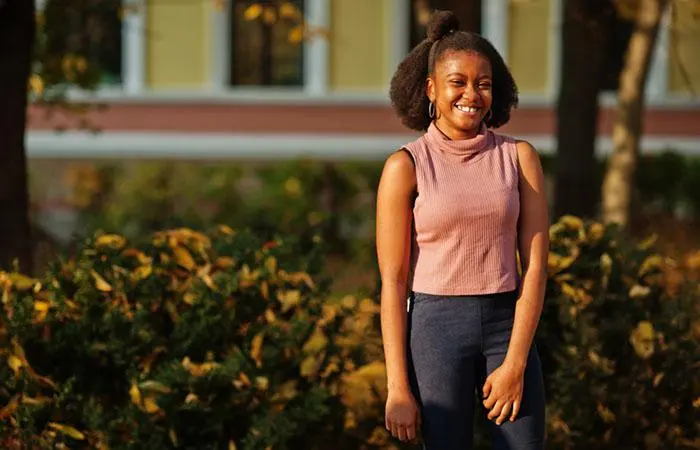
<point>465,214</point>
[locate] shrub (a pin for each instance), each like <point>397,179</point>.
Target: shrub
<point>620,336</point>
<point>192,340</point>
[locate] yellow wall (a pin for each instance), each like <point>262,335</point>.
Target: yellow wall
<point>685,42</point>
<point>358,55</point>
<point>528,44</point>
<point>177,42</point>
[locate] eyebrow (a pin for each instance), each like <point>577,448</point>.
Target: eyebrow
<point>460,74</point>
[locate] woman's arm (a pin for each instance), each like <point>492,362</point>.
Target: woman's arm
<point>503,388</point>
<point>394,220</point>
<point>533,244</point>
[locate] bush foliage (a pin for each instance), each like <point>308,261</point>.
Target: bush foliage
<point>223,340</point>
<point>187,341</point>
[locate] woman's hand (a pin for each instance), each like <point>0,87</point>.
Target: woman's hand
<point>503,392</point>
<point>402,415</point>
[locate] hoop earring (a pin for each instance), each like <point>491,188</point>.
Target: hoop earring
<point>431,110</point>
<point>488,116</point>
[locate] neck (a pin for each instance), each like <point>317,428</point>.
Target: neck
<point>456,134</point>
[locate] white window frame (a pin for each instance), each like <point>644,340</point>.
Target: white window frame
<point>316,53</point>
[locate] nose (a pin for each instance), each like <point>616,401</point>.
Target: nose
<point>470,92</point>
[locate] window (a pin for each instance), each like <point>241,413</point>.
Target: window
<point>468,12</point>
<point>83,40</point>
<point>266,45</point>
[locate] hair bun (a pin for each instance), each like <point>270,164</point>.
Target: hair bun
<point>441,24</point>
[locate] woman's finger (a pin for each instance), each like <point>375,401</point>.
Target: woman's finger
<point>496,410</point>
<point>503,416</point>
<point>411,432</point>
<point>490,401</point>
<point>402,433</point>
<point>516,410</point>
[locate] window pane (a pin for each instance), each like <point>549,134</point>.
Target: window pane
<point>263,50</point>
<point>89,29</point>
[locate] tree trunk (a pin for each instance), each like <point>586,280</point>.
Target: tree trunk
<point>587,24</point>
<point>17,33</point>
<point>619,177</point>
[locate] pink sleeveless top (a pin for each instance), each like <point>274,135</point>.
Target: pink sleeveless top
<point>465,214</point>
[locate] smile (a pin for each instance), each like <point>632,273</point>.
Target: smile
<point>467,109</point>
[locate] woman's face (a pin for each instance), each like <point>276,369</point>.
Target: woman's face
<point>461,89</point>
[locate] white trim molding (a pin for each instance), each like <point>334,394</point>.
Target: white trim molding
<point>220,46</point>
<point>275,147</point>
<point>399,23</point>
<point>316,50</point>
<point>494,24</point>
<point>657,84</point>
<point>556,21</point>
<point>134,46</point>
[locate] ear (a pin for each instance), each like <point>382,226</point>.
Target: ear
<point>430,88</point>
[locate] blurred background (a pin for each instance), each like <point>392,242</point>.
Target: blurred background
<point>273,116</point>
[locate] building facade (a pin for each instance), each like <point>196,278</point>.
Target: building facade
<point>223,79</point>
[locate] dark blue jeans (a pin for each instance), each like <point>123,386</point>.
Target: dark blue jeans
<point>454,343</point>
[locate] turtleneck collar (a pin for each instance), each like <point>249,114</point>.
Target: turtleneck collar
<point>461,147</point>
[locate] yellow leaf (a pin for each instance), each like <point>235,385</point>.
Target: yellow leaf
<point>114,241</point>
<point>21,282</point>
<point>190,298</point>
<point>256,348</point>
<point>293,186</point>
<point>15,364</point>
<point>67,430</point>
<point>596,231</point>
<point>269,15</point>
<point>265,290</point>
<point>658,378</point>
<point>9,409</point>
<point>289,11</point>
<point>316,342</point>
<point>231,445</point>
<point>150,405</point>
<point>143,272</point>
<point>270,316</point>
<point>100,282</point>
<point>224,262</point>
<point>183,258</point>
<point>41,305</point>
<point>271,264</point>
<point>650,263</point>
<point>191,398</point>
<point>173,436</point>
<point>198,370</point>
<point>225,229</point>
<point>639,291</point>
<point>349,302</point>
<point>296,34</point>
<point>557,263</point>
<point>155,386</point>
<point>262,383</point>
<point>605,413</point>
<point>571,222</point>
<point>36,84</point>
<point>289,299</point>
<point>135,394</point>
<point>253,11</point>
<point>642,339</point>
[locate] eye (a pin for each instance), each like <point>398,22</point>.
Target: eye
<point>457,82</point>
<point>485,85</point>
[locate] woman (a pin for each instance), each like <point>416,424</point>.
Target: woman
<point>452,209</point>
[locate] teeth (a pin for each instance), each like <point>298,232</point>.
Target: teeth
<point>467,109</point>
